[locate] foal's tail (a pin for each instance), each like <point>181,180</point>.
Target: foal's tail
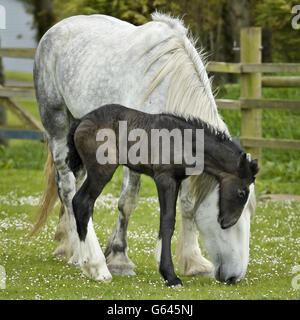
<point>50,196</point>
<point>73,158</point>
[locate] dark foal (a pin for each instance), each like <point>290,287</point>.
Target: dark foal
<point>222,158</point>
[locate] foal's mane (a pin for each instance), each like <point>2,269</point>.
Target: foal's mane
<point>220,135</point>
<point>189,93</point>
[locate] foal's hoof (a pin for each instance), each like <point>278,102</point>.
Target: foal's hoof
<point>176,283</point>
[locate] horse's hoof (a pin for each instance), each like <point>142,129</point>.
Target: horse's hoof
<point>104,278</point>
<point>61,253</point>
<point>74,261</point>
<point>175,283</point>
<point>121,270</point>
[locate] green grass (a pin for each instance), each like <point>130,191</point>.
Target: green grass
<point>20,76</point>
<point>33,272</point>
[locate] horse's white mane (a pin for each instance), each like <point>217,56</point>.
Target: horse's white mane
<point>190,92</point>
<point>190,88</point>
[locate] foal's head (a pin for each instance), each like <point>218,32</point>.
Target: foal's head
<point>234,190</point>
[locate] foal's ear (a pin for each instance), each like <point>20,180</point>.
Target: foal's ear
<point>254,166</point>
<point>242,164</point>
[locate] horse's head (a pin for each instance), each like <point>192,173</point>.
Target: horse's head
<point>227,248</point>
<point>223,219</point>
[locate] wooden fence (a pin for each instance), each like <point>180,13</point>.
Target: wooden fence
<point>250,102</point>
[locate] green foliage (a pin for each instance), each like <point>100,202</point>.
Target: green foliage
<point>136,12</point>
<point>43,17</point>
<point>276,15</point>
<point>23,155</point>
<point>203,17</point>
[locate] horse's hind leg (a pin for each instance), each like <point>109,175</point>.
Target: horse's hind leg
<point>66,184</point>
<point>56,120</point>
<point>62,231</point>
<point>116,250</point>
<point>92,260</point>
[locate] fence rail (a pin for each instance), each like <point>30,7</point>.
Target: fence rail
<point>250,69</point>
<point>226,67</point>
<point>19,53</point>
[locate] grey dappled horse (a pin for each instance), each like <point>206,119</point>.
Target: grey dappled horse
<point>84,62</point>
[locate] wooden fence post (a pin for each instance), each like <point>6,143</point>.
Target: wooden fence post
<point>250,44</point>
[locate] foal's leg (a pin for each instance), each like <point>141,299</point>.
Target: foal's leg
<point>167,192</point>
<point>116,250</point>
<point>188,254</point>
<point>92,260</point>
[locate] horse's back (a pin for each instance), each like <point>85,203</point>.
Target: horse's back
<point>95,60</point>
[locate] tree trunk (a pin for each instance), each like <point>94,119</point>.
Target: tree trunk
<point>43,16</point>
<point>236,16</point>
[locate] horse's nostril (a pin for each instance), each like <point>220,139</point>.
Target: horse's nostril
<point>231,280</point>
<point>220,276</point>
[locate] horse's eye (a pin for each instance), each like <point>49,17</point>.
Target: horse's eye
<point>241,193</point>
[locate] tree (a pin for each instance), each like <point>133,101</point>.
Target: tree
<point>276,17</point>
<point>204,17</point>
<point>134,11</point>
<point>42,11</point>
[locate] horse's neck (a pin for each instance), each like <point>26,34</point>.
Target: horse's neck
<point>221,155</point>
<point>178,74</point>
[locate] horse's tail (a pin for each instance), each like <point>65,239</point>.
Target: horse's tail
<point>50,196</point>
<point>73,158</point>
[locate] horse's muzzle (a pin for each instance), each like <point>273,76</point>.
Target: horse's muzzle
<point>221,276</point>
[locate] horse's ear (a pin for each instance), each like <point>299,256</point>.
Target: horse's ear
<point>254,166</point>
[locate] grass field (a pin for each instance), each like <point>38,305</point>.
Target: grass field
<point>33,272</point>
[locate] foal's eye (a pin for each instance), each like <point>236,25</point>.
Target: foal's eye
<point>241,193</point>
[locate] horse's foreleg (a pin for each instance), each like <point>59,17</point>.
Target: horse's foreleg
<point>116,250</point>
<point>167,188</point>
<point>188,253</point>
<point>92,260</point>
